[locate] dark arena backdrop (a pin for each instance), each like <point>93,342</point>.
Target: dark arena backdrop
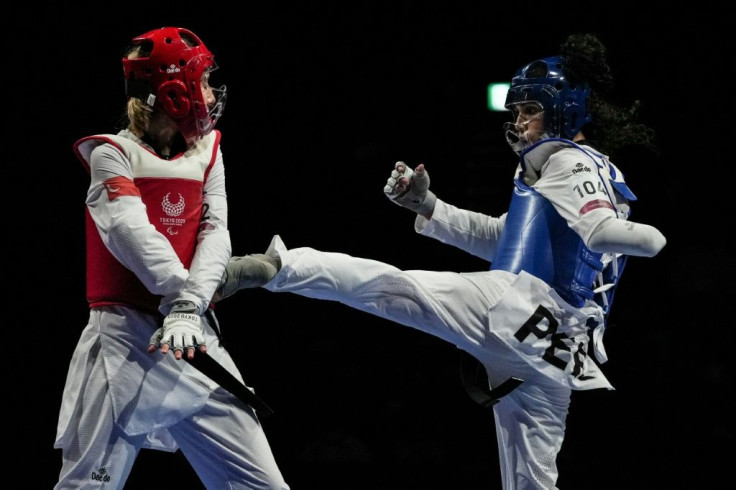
<point>323,98</point>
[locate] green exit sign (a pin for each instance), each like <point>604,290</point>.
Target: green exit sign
<point>497,96</point>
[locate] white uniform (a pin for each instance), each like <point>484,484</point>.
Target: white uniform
<point>493,315</point>
<point>163,224</point>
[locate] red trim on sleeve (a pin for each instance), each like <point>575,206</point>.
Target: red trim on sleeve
<point>597,204</point>
<point>120,186</point>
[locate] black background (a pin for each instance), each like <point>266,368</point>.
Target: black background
<point>322,100</point>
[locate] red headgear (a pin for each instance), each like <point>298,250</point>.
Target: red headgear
<point>167,72</point>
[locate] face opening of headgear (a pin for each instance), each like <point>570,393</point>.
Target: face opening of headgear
<point>169,68</point>
<point>563,103</point>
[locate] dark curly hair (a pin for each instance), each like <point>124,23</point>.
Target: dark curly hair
<point>613,128</point>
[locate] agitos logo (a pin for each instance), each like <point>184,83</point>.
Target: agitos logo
<point>172,210</point>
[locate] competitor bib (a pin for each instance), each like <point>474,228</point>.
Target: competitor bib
<point>550,335</point>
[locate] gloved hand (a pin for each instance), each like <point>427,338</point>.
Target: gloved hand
<point>410,189</point>
<point>248,271</point>
<point>182,329</point>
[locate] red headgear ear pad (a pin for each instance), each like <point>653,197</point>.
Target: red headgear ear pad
<point>174,98</point>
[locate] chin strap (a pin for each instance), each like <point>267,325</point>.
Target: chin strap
<point>140,90</point>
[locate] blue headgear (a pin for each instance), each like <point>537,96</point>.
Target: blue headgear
<point>564,102</point>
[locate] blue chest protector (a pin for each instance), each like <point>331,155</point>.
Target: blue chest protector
<point>537,240</point>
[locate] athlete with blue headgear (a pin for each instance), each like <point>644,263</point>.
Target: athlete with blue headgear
<point>535,320</point>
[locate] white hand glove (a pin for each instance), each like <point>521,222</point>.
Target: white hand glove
<point>248,271</point>
<point>182,329</point>
<point>410,189</point>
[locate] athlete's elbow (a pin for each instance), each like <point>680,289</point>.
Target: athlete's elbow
<point>657,242</point>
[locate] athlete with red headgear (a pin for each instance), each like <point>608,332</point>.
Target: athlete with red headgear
<point>157,246</point>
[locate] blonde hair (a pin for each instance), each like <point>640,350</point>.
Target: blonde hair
<point>138,112</point>
<point>139,116</point>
